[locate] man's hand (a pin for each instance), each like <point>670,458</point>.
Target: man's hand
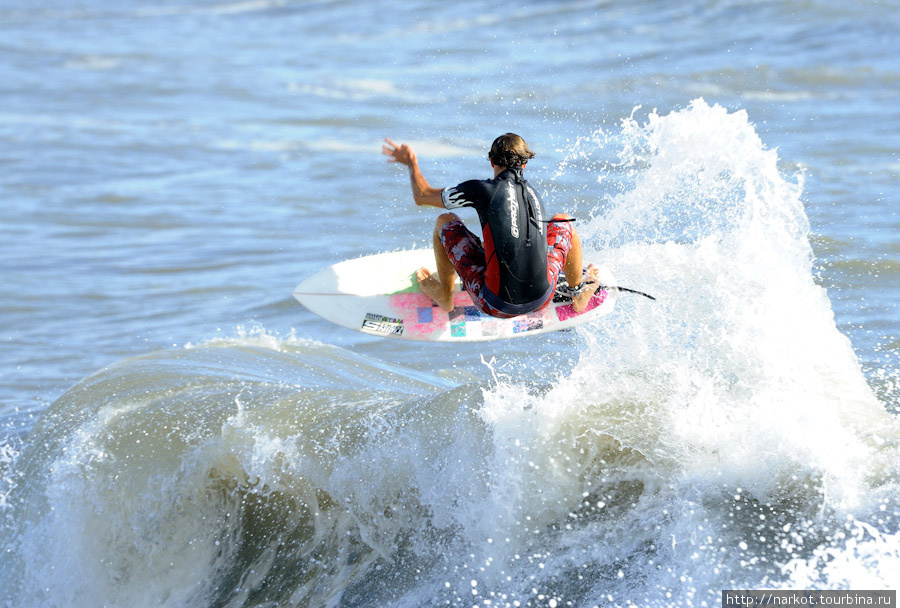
<point>423,193</point>
<point>398,153</point>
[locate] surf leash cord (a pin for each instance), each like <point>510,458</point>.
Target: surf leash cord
<point>567,292</point>
<point>626,290</point>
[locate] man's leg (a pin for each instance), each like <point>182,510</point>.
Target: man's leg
<point>439,286</point>
<point>574,269</point>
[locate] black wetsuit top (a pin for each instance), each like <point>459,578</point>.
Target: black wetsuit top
<point>514,237</point>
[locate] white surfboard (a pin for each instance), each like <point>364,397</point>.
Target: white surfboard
<point>379,295</point>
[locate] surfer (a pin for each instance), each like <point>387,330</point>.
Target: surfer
<point>514,270</point>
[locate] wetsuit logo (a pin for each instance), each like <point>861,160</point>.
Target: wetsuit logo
<point>513,202</point>
<point>537,209</point>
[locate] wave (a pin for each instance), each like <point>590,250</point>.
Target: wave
<point>721,437</point>
<point>206,465</point>
<point>238,7</point>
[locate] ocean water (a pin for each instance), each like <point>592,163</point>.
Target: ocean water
<point>175,430</point>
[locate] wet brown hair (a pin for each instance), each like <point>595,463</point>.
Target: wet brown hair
<point>510,150</point>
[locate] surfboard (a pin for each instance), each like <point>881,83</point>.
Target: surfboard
<point>379,295</point>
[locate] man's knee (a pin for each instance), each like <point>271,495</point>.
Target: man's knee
<point>562,225</point>
<point>445,218</point>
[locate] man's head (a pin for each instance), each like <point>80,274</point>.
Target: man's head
<point>510,150</point>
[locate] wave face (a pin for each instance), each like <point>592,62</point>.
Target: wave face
<point>722,437</point>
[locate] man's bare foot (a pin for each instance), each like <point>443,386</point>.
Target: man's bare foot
<point>431,287</point>
<point>580,302</point>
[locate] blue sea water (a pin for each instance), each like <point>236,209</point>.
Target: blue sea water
<point>175,430</point>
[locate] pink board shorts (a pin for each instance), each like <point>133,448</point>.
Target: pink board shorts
<point>466,253</point>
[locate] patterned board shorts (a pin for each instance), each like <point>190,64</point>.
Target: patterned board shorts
<point>466,253</point>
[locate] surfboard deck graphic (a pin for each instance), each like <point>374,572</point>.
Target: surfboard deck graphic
<point>379,295</point>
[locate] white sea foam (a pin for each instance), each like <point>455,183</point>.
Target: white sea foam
<point>735,382</point>
<point>93,63</point>
<point>224,8</point>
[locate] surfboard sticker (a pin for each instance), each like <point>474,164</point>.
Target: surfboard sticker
<point>377,296</point>
<point>379,324</point>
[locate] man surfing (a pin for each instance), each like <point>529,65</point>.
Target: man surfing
<point>514,270</point>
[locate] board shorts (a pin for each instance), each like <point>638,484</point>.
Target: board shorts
<point>466,253</point>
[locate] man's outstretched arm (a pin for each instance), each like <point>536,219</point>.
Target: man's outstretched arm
<point>423,193</point>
